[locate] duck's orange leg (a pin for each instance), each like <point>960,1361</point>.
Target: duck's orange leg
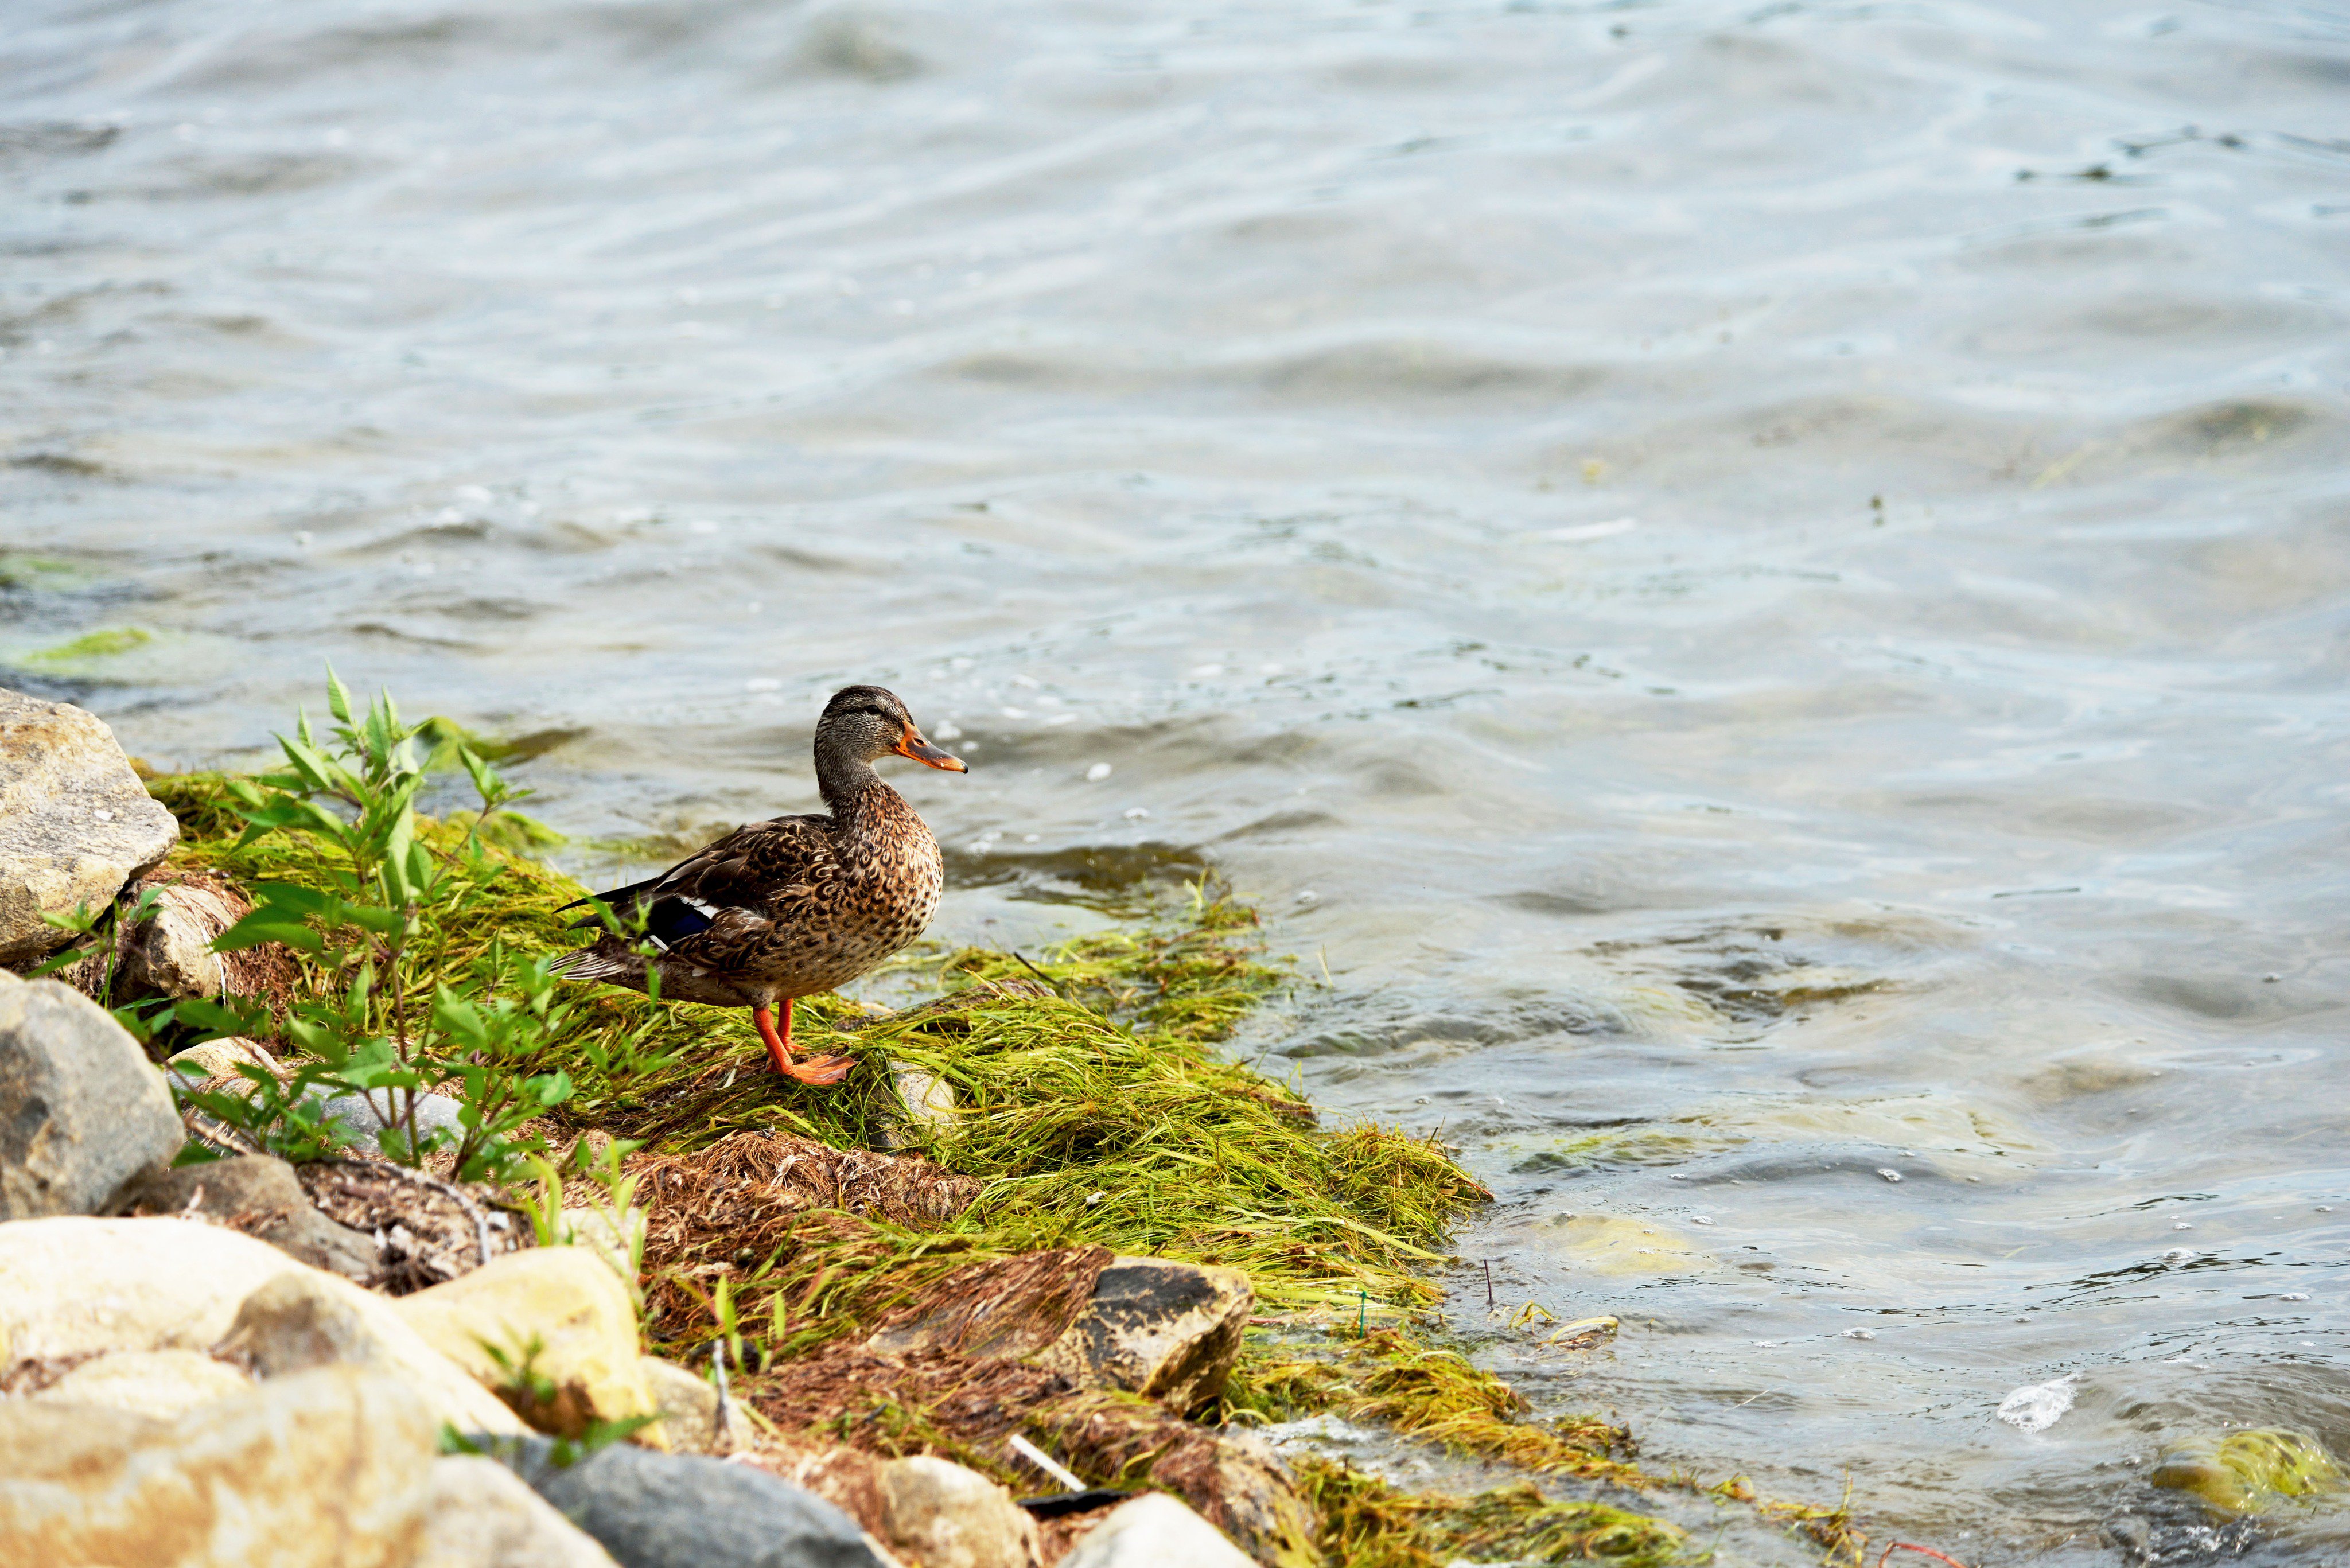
<point>815,1069</point>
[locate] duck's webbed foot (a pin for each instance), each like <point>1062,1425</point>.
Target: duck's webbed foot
<point>815,1069</point>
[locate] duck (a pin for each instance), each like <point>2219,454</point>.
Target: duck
<point>790,907</point>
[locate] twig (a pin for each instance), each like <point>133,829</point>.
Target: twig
<point>1039,974</point>
<point>1046,1462</point>
<point>725,1424</point>
<point>1926,1551</point>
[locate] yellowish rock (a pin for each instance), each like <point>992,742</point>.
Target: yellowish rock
<point>563,1310</point>
<point>1613,1244</point>
<point>164,1383</point>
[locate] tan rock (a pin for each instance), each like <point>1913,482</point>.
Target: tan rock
<point>562,1308</point>
<point>164,1383</point>
<point>480,1514</point>
<point>687,1405</point>
<point>1154,1531</point>
<point>76,823</point>
<point>945,1516</point>
<point>73,1286</point>
<point>220,1059</point>
<point>305,1318</point>
<point>326,1469</point>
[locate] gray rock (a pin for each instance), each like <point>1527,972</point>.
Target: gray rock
<point>925,1111</point>
<point>478,1514</point>
<point>75,822</point>
<point>674,1511</point>
<point>257,1185</point>
<point>361,1123</point>
<point>1168,1330</point>
<point>83,1115</point>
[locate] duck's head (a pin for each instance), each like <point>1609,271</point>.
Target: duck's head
<point>864,722</point>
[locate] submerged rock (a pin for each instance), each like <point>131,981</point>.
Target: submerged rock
<point>328,1469</point>
<point>83,1115</point>
<point>259,1196</point>
<point>674,1511</point>
<point>76,823</point>
<point>2245,1473</point>
<point>1154,1531</point>
<point>563,1311</point>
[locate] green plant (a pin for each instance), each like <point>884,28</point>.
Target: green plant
<point>371,927</point>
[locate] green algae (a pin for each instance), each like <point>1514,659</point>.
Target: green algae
<point>107,642</point>
<point>2251,1471</point>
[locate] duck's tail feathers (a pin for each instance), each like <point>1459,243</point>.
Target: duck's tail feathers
<point>607,960</point>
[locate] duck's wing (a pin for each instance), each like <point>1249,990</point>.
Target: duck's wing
<point>729,890</point>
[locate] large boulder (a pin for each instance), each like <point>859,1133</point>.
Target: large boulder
<point>164,1383</point>
<point>83,1115</point>
<point>678,1511</point>
<point>75,1287</point>
<point>259,1195</point>
<point>75,822</point>
<point>1154,1531</point>
<point>562,1310</point>
<point>328,1469</point>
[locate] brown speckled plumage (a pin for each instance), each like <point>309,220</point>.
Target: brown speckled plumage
<point>795,905</point>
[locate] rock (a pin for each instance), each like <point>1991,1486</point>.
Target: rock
<point>1166,1330</point>
<point>479,1514</point>
<point>687,1405</point>
<point>361,1124</point>
<point>674,1511</point>
<point>303,1318</point>
<point>925,1104</point>
<point>214,1064</point>
<point>259,1195</point>
<point>944,1516</point>
<point>328,1469</point>
<point>566,1303</point>
<point>1152,1326</point>
<point>75,1287</point>
<point>164,1383</point>
<point>1154,1531</point>
<point>75,824</point>
<point>83,1115</point>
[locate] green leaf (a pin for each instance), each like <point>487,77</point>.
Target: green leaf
<point>339,700</point>
<point>261,926</point>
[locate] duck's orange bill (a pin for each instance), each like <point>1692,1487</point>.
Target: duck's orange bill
<point>911,744</point>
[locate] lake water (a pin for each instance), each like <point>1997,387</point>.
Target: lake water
<point>1767,586</point>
